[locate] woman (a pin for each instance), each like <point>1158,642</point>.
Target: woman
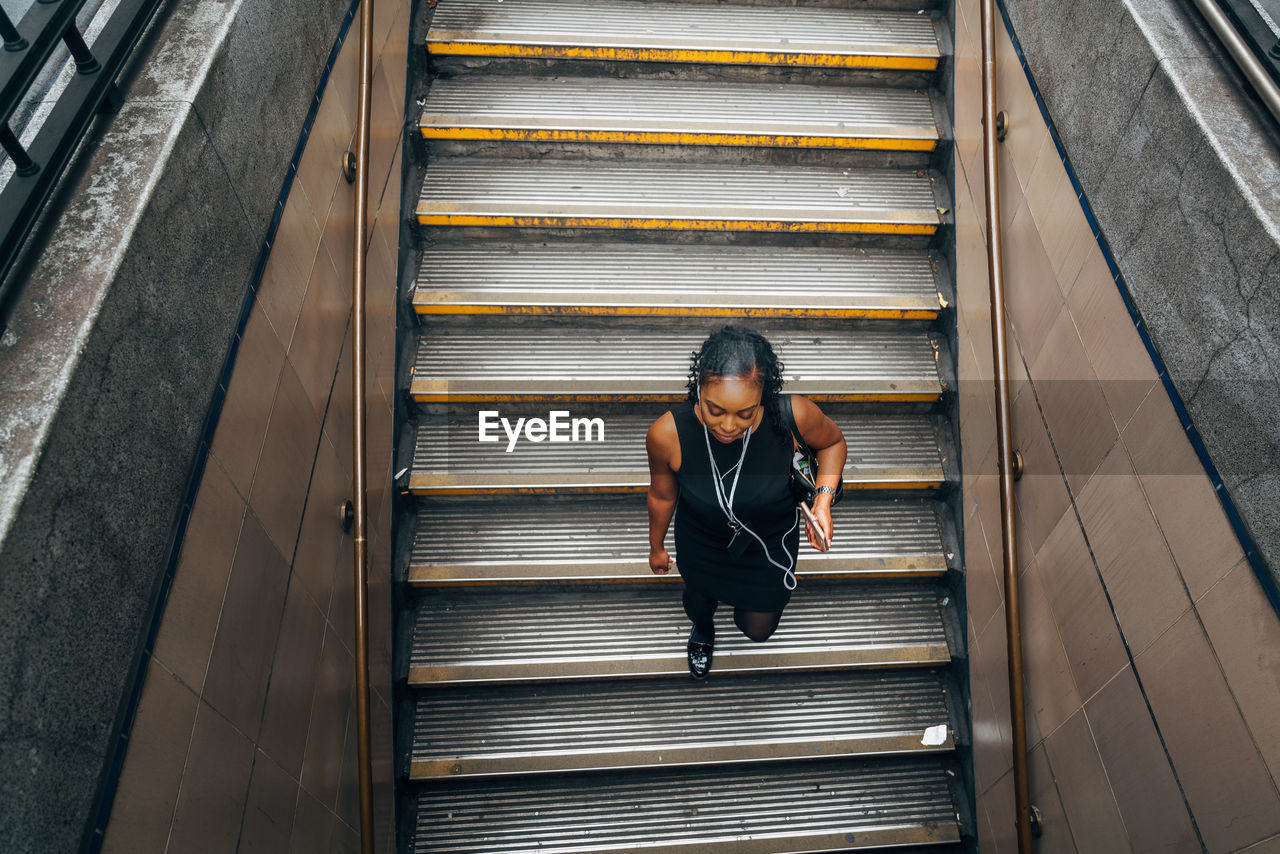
<point>721,464</point>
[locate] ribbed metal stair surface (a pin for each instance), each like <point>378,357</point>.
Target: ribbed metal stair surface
<point>548,360</point>
<point>884,451</point>
<point>601,538</point>
<point>644,279</point>
<point>663,195</point>
<point>604,182</point>
<point>836,806</point>
<point>602,109</point>
<point>471,637</point>
<point>674,32</point>
<point>461,732</point>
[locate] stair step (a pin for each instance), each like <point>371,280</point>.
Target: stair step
<point>490,731</point>
<point>630,30</point>
<point>842,805</point>
<point>605,538</point>
<point>680,196</point>
<point>646,279</point>
<point>622,110</point>
<point>474,637</point>
<point>568,361</point>
<point>884,452</point>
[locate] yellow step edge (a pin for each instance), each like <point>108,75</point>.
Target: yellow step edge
<point>637,571</point>
<point>740,659</point>
<point>462,490</point>
<point>649,223</point>
<point>613,482</point>
<point>689,55</point>
<point>422,396</point>
<point>430,303</point>
<point>678,138</point>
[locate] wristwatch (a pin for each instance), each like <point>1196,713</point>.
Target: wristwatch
<point>828,489</point>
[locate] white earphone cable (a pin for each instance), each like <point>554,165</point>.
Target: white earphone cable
<point>726,505</point>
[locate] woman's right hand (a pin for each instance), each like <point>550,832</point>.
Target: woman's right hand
<point>661,562</point>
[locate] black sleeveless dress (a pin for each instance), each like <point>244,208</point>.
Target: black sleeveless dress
<point>763,502</point>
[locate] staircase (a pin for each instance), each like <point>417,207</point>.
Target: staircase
<point>603,183</point>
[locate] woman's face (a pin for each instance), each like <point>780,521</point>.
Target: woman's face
<point>728,406</point>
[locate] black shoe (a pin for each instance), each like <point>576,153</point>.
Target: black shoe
<point>699,659</point>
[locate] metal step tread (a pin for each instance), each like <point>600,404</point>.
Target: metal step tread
<point>575,726</point>
<point>675,278</point>
<point>636,194</point>
<point>883,451</point>
<point>469,637</point>
<point>692,112</point>
<point>548,359</point>
<point>597,538</point>
<point>840,805</point>
<point>630,29</point>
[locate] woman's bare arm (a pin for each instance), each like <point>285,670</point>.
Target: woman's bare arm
<point>827,441</point>
<point>663,446</point>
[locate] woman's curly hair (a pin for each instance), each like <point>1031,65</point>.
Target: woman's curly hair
<point>736,352</point>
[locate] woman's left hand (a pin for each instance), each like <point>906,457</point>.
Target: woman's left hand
<point>821,512</point>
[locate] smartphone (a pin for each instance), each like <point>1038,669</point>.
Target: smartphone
<point>823,545</point>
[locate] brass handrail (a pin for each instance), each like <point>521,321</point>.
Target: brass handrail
<point>1000,354</point>
<point>358,429</point>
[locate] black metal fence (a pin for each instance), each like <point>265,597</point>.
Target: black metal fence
<point>28,47</point>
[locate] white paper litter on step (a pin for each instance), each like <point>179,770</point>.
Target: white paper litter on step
<point>935,736</point>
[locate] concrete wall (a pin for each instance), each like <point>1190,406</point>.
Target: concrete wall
<point>1182,172</point>
<point>1151,649</point>
<point>244,734</point>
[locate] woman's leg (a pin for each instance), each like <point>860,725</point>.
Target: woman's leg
<point>701,610</point>
<point>757,625</point>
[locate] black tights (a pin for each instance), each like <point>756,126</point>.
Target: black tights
<point>757,625</point>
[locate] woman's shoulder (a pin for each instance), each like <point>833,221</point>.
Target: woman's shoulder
<point>662,442</point>
<point>802,408</point>
<point>679,416</point>
<point>666,422</point>
<point>814,426</point>
<point>663,431</point>
<point>798,413</point>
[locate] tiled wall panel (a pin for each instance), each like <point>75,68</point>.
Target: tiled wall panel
<point>245,739</point>
<point>1151,651</point>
